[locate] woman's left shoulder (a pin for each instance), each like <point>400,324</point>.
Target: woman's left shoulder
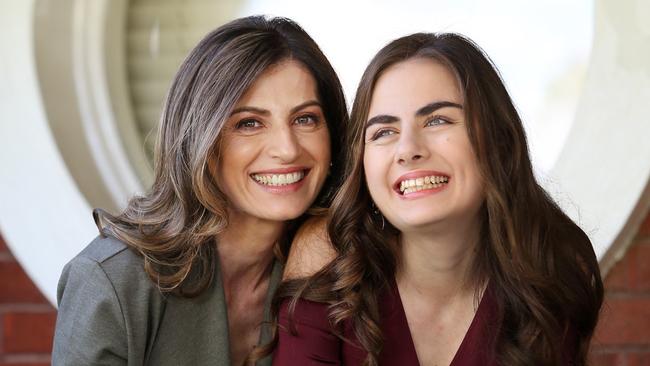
<point>107,307</point>
<point>311,249</point>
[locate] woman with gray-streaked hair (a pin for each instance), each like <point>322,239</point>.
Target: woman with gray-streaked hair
<point>249,141</point>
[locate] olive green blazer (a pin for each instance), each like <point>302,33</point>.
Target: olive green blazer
<point>110,313</point>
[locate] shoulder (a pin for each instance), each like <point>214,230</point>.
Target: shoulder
<point>107,306</point>
<point>108,262</point>
<point>311,249</point>
<point>105,249</point>
<point>113,257</point>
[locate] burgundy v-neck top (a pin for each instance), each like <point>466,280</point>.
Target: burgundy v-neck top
<point>316,344</point>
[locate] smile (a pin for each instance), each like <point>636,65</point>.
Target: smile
<point>408,186</point>
<point>276,180</point>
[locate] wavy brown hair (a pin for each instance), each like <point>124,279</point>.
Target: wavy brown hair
<point>540,264</point>
<point>173,226</point>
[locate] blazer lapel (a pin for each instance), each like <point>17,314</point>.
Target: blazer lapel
<point>265,332</point>
<point>194,331</point>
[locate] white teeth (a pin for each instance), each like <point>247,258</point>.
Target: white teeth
<point>279,179</point>
<point>414,185</point>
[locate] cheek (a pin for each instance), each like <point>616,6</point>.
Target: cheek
<point>243,148</point>
<point>374,169</point>
<point>324,146</point>
<point>224,178</point>
<point>317,145</point>
<point>368,168</point>
<point>214,167</point>
<point>459,152</point>
<point>456,147</point>
<point>236,155</point>
<point>472,173</point>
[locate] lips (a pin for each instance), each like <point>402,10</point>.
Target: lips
<point>418,181</point>
<point>280,177</point>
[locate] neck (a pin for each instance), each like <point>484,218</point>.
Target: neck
<point>245,250</point>
<point>438,264</point>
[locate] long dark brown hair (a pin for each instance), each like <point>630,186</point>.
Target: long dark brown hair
<point>173,226</point>
<point>540,264</point>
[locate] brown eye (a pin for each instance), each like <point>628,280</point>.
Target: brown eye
<point>247,124</point>
<point>306,120</point>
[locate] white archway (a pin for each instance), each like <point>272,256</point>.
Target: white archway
<point>603,173</point>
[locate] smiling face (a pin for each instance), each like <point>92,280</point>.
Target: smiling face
<point>419,164</point>
<point>275,147</point>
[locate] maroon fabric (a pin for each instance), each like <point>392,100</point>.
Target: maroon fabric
<point>316,344</point>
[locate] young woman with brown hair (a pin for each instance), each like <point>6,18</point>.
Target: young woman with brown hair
<point>444,248</point>
<point>249,140</point>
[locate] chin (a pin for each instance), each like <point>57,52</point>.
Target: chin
<point>285,215</point>
<point>406,224</point>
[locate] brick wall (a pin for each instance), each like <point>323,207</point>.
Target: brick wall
<point>623,334</point>
<point>26,318</point>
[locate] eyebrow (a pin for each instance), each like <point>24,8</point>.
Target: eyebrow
<point>381,119</point>
<point>432,107</point>
<point>250,109</point>
<point>427,109</point>
<point>266,112</point>
<point>305,105</point>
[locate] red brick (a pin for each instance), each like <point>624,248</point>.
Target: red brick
<point>644,230</point>
<point>618,277</point>
<point>638,359</point>
<point>28,332</point>
<point>624,321</point>
<point>25,359</point>
<point>639,266</point>
<point>16,286</point>
<point>607,359</point>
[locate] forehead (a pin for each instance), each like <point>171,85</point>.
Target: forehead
<point>406,86</point>
<point>286,82</point>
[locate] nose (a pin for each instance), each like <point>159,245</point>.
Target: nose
<point>411,148</point>
<point>284,145</point>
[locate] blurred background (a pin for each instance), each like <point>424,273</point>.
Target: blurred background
<point>82,84</point>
